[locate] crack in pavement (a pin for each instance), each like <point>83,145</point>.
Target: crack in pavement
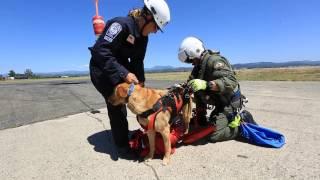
<point>99,120</point>
<point>154,171</point>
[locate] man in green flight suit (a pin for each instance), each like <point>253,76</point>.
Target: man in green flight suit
<point>214,83</point>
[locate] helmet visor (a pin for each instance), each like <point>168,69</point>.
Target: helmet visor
<point>188,60</point>
<point>184,57</point>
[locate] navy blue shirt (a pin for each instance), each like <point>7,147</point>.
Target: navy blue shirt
<point>120,49</point>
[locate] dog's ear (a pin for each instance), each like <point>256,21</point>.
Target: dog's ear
<point>122,91</point>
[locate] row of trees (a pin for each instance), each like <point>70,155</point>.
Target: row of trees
<point>27,73</point>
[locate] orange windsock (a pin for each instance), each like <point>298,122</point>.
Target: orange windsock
<point>98,21</point>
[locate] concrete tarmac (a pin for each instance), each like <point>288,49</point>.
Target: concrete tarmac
<point>80,146</point>
<point>30,102</point>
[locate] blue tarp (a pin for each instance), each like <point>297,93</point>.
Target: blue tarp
<point>261,136</point>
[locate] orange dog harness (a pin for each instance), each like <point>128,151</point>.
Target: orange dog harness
<point>172,102</point>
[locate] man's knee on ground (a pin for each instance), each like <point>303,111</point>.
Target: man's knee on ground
<point>224,134</point>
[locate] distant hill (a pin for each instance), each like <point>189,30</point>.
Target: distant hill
<point>276,65</point>
<point>156,69</point>
<point>239,66</point>
<point>63,73</point>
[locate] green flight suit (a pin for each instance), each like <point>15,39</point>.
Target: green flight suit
<point>214,67</point>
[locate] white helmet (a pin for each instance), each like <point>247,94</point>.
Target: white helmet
<point>189,49</point>
<point>160,12</point>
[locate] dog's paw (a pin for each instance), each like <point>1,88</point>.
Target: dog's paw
<point>148,158</point>
<point>165,161</point>
<point>186,131</point>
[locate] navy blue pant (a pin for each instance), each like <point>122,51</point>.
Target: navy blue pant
<point>119,124</point>
<point>117,114</point>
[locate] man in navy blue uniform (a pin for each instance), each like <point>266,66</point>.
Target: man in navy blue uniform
<point>118,55</point>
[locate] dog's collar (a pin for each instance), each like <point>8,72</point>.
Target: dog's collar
<point>131,89</point>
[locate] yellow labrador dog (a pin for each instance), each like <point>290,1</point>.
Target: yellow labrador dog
<point>155,108</point>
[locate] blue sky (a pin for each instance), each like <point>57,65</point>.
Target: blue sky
<point>51,36</point>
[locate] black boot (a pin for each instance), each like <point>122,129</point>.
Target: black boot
<point>246,116</point>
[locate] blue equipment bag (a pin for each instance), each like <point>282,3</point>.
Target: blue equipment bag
<point>261,136</point>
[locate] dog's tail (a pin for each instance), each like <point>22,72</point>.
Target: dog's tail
<point>186,114</point>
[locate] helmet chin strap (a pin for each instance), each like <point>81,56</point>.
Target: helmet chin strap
<point>201,55</point>
<point>146,21</point>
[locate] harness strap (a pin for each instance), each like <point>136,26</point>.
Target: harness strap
<point>152,119</point>
<point>164,103</point>
<point>171,102</point>
<point>236,100</point>
<point>151,114</point>
<point>154,109</point>
<point>168,103</point>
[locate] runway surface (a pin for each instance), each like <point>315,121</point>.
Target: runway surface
<point>80,146</point>
<point>25,103</point>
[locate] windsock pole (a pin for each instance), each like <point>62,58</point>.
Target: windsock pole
<point>97,8</point>
<point>98,22</point>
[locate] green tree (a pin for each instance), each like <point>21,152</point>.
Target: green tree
<point>28,73</point>
<point>12,73</point>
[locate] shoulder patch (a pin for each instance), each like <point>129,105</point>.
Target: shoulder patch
<point>112,32</point>
<point>219,65</point>
<point>131,39</point>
